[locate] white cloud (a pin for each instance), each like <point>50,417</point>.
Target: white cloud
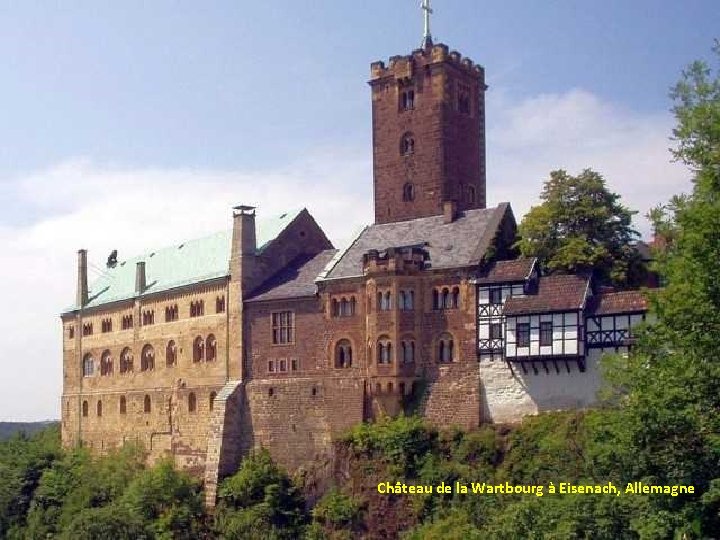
<point>80,203</point>
<point>574,131</point>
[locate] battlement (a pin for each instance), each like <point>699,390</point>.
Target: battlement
<point>403,66</point>
<point>396,260</point>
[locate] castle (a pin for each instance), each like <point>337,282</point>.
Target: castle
<point>266,335</point>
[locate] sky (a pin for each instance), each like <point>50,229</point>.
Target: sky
<point>131,125</point>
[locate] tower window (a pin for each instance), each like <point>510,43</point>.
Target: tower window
<point>471,194</point>
<point>407,144</point>
<point>123,405</point>
<point>407,100</point>
<point>463,99</point>
<point>408,192</point>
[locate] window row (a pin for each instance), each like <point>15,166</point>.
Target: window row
<point>281,365</point>
<point>197,309</point>
<point>446,298</point>
<point>203,350</point>
<point>385,352</point>
<point>344,307</point>
<point>192,405</point>
<point>406,300</point>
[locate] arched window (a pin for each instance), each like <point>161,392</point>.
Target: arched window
<point>344,307</point>
<point>198,349</point>
<point>106,364</point>
<point>384,351</point>
<point>446,349</point>
<point>387,301</point>
<point>343,354</point>
<point>171,354</point>
<point>436,299</point>
<point>126,361</point>
<point>408,192</point>
<point>455,303</point>
<point>88,365</point>
<point>213,395</point>
<point>147,358</point>
<point>407,144</point>
<point>211,348</point>
<point>406,300</point>
<point>85,408</point>
<point>446,299</point>
<point>335,308</point>
<point>192,402</point>
<point>147,404</point>
<point>408,352</point>
<point>353,305</point>
<point>123,405</point>
<point>99,408</point>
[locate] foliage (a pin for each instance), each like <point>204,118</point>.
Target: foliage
<point>260,501</point>
<point>580,226</point>
<point>337,510</point>
<point>400,442</point>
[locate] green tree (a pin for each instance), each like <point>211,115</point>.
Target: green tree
<point>581,226</point>
<point>672,386</point>
<point>259,501</point>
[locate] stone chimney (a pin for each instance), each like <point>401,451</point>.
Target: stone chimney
<point>81,298</point>
<point>243,257</point>
<point>449,211</point>
<point>140,278</point>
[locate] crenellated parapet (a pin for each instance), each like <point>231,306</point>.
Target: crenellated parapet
<point>395,260</point>
<point>405,66</point>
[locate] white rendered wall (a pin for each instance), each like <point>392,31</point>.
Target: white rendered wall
<point>507,396</point>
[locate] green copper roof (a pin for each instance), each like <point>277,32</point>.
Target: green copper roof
<point>186,263</point>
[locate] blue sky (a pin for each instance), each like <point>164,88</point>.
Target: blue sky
<point>122,118</point>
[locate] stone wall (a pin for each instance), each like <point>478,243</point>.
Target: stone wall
<point>508,395</point>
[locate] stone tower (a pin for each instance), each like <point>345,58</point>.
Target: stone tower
<point>428,116</point>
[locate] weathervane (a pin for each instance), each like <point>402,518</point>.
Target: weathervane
<point>427,38</point>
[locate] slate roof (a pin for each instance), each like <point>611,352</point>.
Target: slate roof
<point>189,262</point>
<point>618,302</point>
<point>461,243</point>
<point>555,293</point>
<point>296,280</point>
<point>508,271</point>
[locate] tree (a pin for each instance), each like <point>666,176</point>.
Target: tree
<point>672,385</point>
<point>581,226</point>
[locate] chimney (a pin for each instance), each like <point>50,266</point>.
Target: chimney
<point>140,279</point>
<point>449,211</point>
<point>244,230</point>
<point>81,298</point>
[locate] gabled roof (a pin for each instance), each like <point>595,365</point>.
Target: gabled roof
<point>189,262</point>
<point>508,271</point>
<point>618,302</point>
<point>461,243</point>
<point>296,280</point>
<point>555,293</point>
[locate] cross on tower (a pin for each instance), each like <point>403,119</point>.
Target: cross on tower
<point>427,37</point>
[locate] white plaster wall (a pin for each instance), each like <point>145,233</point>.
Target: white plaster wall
<point>507,395</point>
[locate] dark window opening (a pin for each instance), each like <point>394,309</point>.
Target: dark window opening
<point>283,327</point>
<point>523,335</point>
<point>496,296</point>
<point>408,192</point>
<point>546,333</point>
<point>496,331</point>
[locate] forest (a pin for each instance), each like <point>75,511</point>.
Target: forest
<point>658,425</point>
